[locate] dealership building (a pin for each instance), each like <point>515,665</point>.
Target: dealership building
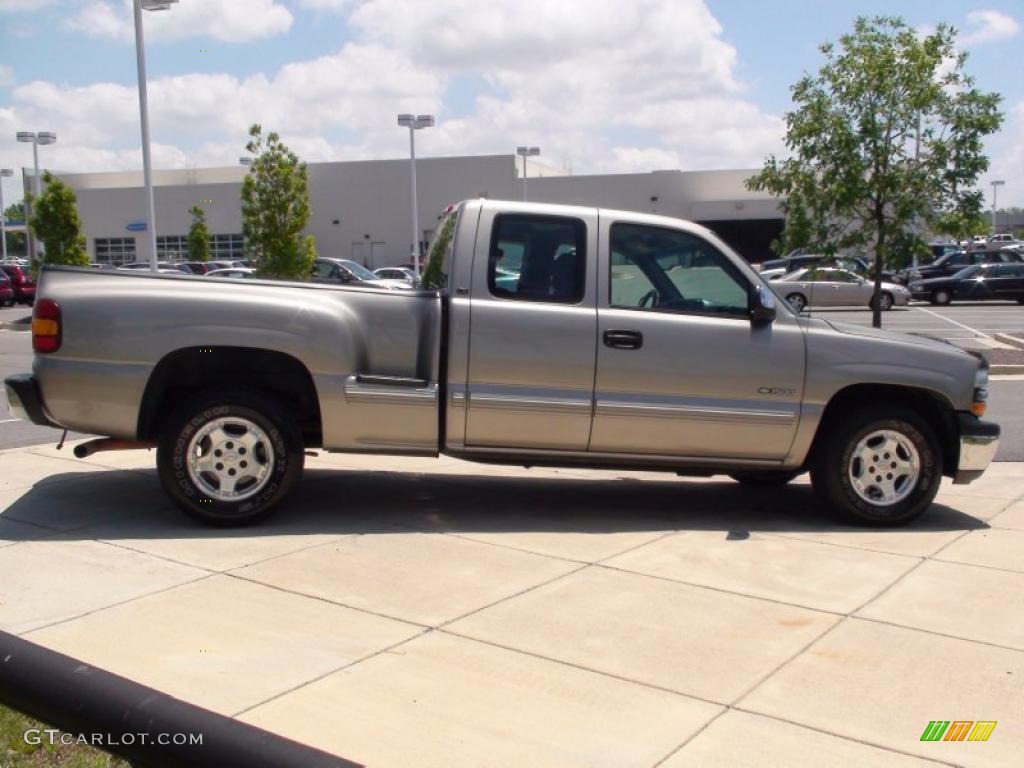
<point>362,210</point>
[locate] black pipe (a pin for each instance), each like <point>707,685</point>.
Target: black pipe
<point>80,699</point>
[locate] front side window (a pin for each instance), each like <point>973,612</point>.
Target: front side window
<point>538,258</point>
<point>666,269</point>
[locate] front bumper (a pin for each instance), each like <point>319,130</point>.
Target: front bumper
<point>25,401</point>
<point>979,441</point>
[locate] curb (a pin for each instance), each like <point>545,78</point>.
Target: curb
<point>84,700</point>
<point>1008,339</point>
<point>1003,370</point>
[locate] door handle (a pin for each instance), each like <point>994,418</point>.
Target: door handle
<point>623,339</point>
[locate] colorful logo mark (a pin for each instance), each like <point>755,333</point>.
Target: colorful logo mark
<point>958,730</point>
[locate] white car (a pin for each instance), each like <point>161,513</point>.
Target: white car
<point>832,287</point>
<point>405,274</point>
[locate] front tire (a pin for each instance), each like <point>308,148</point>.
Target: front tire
<point>942,297</point>
<point>228,458</point>
<point>878,466</point>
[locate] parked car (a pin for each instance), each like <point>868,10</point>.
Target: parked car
<point>629,340</point>
<point>200,267</point>
<point>833,287</point>
<point>951,263</point>
<point>789,263</point>
<point>855,264</point>
<point>237,272</point>
<point>162,266</point>
<point>6,290</point>
<point>1003,238</point>
<point>22,283</point>
<point>978,282</point>
<point>405,274</point>
<point>350,272</point>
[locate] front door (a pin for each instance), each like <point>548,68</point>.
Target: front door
<point>681,371</point>
<point>530,380</point>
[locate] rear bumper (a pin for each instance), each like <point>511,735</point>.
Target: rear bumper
<point>25,401</point>
<point>979,441</point>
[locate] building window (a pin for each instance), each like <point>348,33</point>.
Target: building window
<point>227,247</point>
<point>114,250</point>
<point>172,247</point>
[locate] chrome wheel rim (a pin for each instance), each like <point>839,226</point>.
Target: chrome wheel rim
<point>886,302</point>
<point>797,302</point>
<point>884,467</point>
<point>230,459</point>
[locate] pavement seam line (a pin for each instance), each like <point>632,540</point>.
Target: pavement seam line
<point>987,643</point>
<point>425,631</point>
<point>115,605</point>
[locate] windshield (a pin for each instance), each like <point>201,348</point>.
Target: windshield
<point>358,270</point>
<point>967,271</point>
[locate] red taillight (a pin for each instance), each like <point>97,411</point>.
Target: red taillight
<point>46,331</point>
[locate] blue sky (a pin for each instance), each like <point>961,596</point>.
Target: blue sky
<point>599,85</point>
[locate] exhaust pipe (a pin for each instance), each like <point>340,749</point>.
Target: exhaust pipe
<point>83,450</point>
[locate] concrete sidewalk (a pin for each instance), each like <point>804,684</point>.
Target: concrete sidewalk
<point>437,613</point>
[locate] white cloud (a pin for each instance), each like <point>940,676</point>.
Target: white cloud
<point>228,20</point>
<point>24,5</point>
<point>326,5</point>
<point>1006,150</point>
<point>601,85</point>
<point>6,76</point>
<point>986,26</point>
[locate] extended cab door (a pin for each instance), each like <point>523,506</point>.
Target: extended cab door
<point>530,373</point>
<point>681,370</point>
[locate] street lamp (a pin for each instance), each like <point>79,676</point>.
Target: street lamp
<point>147,169</point>
<point>42,137</point>
<point>995,186</point>
<point>415,123</point>
<point>4,173</point>
<point>525,152</point>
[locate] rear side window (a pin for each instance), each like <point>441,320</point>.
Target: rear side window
<point>538,258</point>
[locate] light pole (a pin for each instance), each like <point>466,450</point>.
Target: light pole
<point>147,168</point>
<point>525,152</point>
<point>42,137</point>
<point>415,123</point>
<point>4,173</point>
<point>995,186</point>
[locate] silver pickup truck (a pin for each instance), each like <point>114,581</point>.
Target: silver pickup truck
<point>564,336</point>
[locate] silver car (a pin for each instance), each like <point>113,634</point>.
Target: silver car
<point>833,287</point>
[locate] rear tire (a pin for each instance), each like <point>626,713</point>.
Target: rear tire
<point>227,458</point>
<point>878,466</point>
<point>763,478</point>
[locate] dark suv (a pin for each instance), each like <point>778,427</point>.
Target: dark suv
<point>22,283</point>
<point>951,263</point>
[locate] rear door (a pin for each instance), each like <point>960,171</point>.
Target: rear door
<point>681,371</point>
<point>530,382</point>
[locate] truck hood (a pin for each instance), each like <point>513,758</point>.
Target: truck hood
<point>919,342</point>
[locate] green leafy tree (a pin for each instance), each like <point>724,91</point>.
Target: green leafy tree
<point>198,236</point>
<point>434,275</point>
<point>275,208</point>
<point>15,240</point>
<point>55,221</point>
<point>885,143</point>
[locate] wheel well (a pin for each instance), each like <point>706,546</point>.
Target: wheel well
<point>185,372</point>
<point>932,407</point>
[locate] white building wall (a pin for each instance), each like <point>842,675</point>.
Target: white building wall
<point>362,209</point>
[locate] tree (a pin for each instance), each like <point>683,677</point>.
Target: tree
<point>275,208</point>
<point>885,143</point>
<point>434,275</point>
<point>55,221</point>
<point>15,240</point>
<point>198,236</point>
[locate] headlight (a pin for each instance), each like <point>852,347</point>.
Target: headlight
<point>980,399</point>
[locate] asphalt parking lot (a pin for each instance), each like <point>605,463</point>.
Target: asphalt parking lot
<point>436,613</point>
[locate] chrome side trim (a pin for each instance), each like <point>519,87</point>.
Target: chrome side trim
<point>522,456</point>
<point>388,394</point>
<point>696,413</point>
<point>574,406</point>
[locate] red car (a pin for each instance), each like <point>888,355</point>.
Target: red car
<point>22,282</point>
<point>6,290</point>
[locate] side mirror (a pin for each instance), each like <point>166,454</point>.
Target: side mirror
<point>762,306</point>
